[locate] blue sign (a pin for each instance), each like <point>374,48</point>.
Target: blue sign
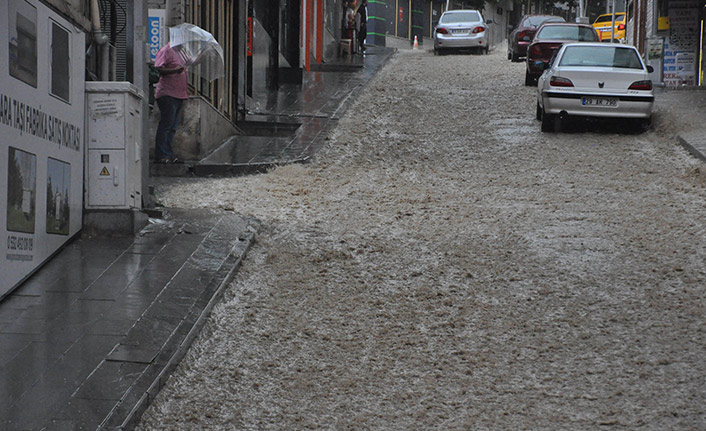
<point>155,35</point>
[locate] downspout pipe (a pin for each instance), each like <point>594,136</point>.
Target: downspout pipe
<point>101,40</point>
<point>98,35</point>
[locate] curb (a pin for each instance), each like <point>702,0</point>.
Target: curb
<point>691,149</point>
<point>165,366</point>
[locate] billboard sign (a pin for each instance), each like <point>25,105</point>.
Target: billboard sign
<point>41,136</point>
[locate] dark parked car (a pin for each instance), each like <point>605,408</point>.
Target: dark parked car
<point>548,40</point>
<point>522,35</point>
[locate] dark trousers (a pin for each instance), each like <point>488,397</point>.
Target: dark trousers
<point>362,34</point>
<point>169,109</point>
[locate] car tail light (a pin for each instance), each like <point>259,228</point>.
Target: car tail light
<point>535,50</point>
<point>478,29</point>
<point>442,30</point>
<point>621,27</point>
<point>521,35</point>
<point>641,85</point>
<point>558,81</point>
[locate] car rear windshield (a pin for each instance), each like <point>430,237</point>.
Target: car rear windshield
<point>598,56</point>
<point>536,21</point>
<point>609,18</point>
<point>453,18</point>
<point>568,32</point>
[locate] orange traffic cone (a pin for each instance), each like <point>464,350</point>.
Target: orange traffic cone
<point>416,42</point>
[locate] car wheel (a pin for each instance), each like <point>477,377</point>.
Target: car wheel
<point>529,81</point>
<point>509,56</point>
<point>514,58</point>
<point>487,49</point>
<point>539,112</point>
<point>549,123</point>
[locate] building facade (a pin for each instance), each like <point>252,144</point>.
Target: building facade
<point>670,34</point>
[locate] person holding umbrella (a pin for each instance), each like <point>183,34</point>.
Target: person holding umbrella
<point>190,47</point>
<point>170,93</point>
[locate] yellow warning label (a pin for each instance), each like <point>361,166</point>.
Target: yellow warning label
<point>105,172</point>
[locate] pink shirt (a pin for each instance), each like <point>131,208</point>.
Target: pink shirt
<point>175,85</point>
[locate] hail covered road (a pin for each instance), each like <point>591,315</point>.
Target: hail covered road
<point>444,265</point>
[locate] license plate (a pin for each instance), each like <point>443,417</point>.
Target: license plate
<point>459,31</point>
<point>610,102</point>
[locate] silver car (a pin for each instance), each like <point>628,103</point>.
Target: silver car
<point>594,80</point>
<point>461,29</point>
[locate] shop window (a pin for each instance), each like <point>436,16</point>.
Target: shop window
<point>60,61</point>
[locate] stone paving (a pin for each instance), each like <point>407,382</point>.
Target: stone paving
<point>88,340</point>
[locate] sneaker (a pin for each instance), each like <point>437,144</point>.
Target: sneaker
<point>164,161</point>
<point>176,161</point>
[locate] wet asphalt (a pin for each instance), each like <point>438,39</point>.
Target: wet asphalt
<point>89,339</point>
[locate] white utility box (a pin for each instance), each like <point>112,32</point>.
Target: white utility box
<point>113,146</point>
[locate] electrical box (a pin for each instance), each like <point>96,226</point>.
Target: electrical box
<point>114,155</point>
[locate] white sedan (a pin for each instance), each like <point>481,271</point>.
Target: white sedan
<point>594,80</point>
<point>461,29</point>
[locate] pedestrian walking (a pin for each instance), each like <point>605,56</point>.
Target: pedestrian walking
<point>348,20</point>
<point>361,23</point>
<point>170,93</point>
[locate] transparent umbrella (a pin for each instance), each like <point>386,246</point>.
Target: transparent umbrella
<point>201,52</point>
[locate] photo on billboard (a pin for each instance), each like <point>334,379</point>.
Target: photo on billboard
<point>22,28</point>
<point>21,190</point>
<point>58,202</point>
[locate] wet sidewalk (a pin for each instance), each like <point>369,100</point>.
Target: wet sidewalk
<point>87,341</point>
<point>685,110</point>
<point>288,125</point>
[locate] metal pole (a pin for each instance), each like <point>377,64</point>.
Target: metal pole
<point>612,23</point>
<point>409,24</point>
<point>105,62</point>
<point>701,55</point>
<point>581,18</point>
<point>581,8</point>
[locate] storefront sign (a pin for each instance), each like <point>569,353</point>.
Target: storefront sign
<point>156,25</point>
<point>681,46</point>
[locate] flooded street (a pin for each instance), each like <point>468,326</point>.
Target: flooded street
<point>442,264</point>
